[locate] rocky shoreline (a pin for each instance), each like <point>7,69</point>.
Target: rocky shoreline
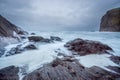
<point>64,66</point>
<point>68,67</point>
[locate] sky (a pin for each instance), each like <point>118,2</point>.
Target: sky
<point>56,15</point>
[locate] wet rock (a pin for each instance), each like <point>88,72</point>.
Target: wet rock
<point>116,69</point>
<point>46,40</point>
<point>15,50</point>
<point>35,38</point>
<point>115,59</point>
<point>41,39</point>
<point>9,73</point>
<point>19,49</point>
<point>54,38</point>
<point>30,47</point>
<point>32,33</point>
<point>84,47</point>
<point>69,70</point>
<point>2,51</point>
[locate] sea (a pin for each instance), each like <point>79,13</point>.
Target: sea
<point>46,52</point>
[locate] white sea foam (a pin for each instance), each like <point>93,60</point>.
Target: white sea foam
<point>45,53</point>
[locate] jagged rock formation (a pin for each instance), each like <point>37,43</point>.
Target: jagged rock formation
<point>9,73</point>
<point>7,29</point>
<point>111,21</point>
<point>84,47</point>
<point>70,70</point>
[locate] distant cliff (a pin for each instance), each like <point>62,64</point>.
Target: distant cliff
<point>111,21</point>
<point>7,29</point>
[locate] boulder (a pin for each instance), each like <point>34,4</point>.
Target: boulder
<point>39,39</point>
<point>35,38</point>
<point>33,34</point>
<point>111,21</point>
<point>84,47</point>
<point>9,73</point>
<point>69,70</point>
<point>54,38</point>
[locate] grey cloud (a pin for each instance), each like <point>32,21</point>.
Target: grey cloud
<point>56,14</point>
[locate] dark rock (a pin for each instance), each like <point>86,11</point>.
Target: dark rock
<point>32,33</point>
<point>35,38</point>
<point>84,47</point>
<point>15,50</point>
<point>54,38</point>
<point>23,37</point>
<point>7,28</point>
<point>39,39</point>
<point>67,70</point>
<point>19,49</point>
<point>46,40</point>
<point>111,20</point>
<point>115,59</point>
<point>9,73</point>
<point>114,68</point>
<point>2,51</point>
<point>30,46</point>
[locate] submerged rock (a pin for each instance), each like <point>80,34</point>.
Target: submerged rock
<point>69,70</point>
<point>115,59</point>
<point>30,47</point>
<point>111,21</point>
<point>9,73</point>
<point>33,33</point>
<point>84,47</point>
<point>2,51</point>
<point>54,38</point>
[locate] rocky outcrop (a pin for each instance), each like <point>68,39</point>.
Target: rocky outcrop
<point>35,38</point>
<point>19,49</point>
<point>41,39</point>
<point>111,21</point>
<point>9,73</point>
<point>115,59</point>
<point>70,70</point>
<point>84,47</point>
<point>54,38</point>
<point>7,29</point>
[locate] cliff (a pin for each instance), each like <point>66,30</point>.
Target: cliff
<point>7,29</point>
<point>111,21</point>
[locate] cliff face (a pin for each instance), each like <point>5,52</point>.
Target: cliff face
<point>7,29</point>
<point>111,21</point>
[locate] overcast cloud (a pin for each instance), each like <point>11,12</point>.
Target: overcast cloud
<point>54,15</point>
